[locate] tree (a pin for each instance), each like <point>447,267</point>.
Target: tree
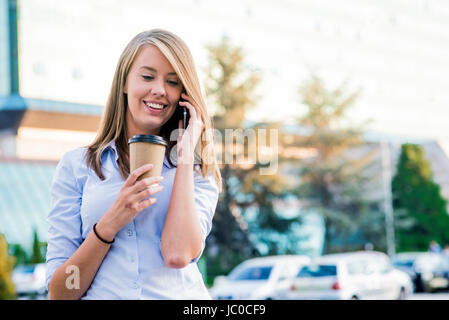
<point>230,86</point>
<point>420,211</point>
<point>333,181</point>
<point>7,289</point>
<point>37,255</point>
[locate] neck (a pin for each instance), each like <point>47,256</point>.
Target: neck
<point>132,130</point>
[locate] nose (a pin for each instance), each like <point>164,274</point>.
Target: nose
<point>158,89</point>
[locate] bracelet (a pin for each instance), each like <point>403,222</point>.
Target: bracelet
<point>101,239</point>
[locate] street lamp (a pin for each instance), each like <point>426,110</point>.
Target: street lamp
<point>388,208</point>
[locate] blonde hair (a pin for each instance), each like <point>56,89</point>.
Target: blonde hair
<point>113,123</point>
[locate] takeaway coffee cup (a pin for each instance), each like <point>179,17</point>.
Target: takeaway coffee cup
<point>144,149</point>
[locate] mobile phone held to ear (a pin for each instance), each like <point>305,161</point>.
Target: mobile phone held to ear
<point>182,113</point>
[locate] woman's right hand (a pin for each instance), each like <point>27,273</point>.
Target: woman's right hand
<point>129,202</point>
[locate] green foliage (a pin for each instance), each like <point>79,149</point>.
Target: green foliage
<point>22,257</point>
<point>420,211</point>
<point>38,254</point>
<point>7,289</point>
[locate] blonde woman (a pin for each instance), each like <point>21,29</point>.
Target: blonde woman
<point>110,236</point>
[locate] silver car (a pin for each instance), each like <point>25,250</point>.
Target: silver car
<point>30,279</point>
<point>353,275</point>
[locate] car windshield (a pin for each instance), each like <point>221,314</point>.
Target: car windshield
<point>403,263</point>
<point>317,271</point>
<point>252,273</point>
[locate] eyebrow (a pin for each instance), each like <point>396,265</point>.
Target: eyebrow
<point>154,70</point>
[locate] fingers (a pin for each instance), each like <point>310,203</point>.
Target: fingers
<point>146,193</point>
<point>146,203</point>
<point>189,106</point>
<point>145,183</point>
<point>134,200</point>
<point>136,174</point>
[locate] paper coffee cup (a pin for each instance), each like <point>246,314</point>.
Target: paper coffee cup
<point>144,149</point>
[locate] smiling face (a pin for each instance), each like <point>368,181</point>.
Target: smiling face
<point>153,90</point>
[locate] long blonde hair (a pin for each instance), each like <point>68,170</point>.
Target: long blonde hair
<point>113,123</point>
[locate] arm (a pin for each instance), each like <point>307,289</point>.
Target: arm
<point>188,218</point>
<point>86,256</point>
<point>87,259</point>
<point>181,238</point>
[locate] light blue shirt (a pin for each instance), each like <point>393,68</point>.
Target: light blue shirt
<point>133,267</point>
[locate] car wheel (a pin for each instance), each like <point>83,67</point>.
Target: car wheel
<point>354,297</point>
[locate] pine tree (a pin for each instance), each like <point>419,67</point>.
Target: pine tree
<point>7,289</point>
<point>37,256</point>
<point>230,87</point>
<point>420,211</point>
<point>333,181</point>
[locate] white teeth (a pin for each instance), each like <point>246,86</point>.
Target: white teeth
<point>154,105</point>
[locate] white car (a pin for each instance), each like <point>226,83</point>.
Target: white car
<point>259,278</point>
<point>30,279</point>
<point>354,275</point>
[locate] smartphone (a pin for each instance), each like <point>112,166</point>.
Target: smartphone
<point>183,114</point>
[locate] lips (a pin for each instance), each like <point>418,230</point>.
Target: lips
<point>154,107</point>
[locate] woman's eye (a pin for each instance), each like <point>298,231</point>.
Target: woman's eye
<point>173,83</point>
<point>145,77</point>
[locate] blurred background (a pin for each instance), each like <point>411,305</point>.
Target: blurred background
<point>356,92</point>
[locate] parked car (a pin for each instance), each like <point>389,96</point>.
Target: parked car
<point>259,278</point>
<point>432,272</point>
<point>405,261</point>
<point>353,275</point>
<point>29,279</point>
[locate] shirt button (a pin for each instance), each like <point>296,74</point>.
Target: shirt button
<point>130,233</point>
<point>134,285</point>
<point>131,259</point>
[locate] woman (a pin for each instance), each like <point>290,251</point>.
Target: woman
<point>113,237</point>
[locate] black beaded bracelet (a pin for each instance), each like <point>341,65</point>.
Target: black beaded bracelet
<point>101,239</point>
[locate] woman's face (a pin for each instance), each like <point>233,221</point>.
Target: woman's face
<point>153,90</point>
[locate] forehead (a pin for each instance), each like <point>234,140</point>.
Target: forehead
<point>150,56</point>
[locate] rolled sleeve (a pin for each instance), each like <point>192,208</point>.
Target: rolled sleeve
<point>64,221</point>
<point>206,199</point>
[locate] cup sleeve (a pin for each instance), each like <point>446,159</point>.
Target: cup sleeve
<point>206,199</point>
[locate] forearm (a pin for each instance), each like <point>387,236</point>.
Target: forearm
<point>181,236</point>
<point>86,261</point>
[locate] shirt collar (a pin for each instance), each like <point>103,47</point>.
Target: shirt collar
<point>111,145</point>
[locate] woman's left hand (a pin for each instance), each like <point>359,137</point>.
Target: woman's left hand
<point>188,140</point>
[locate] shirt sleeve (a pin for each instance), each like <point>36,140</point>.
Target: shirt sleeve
<point>64,221</point>
<point>206,199</point>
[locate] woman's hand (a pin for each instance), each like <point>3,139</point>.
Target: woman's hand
<point>188,140</point>
<point>129,202</point>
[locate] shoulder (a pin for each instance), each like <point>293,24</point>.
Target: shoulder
<point>72,166</point>
<point>74,157</point>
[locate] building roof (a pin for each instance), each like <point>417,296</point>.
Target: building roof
<point>16,102</point>
<point>24,200</point>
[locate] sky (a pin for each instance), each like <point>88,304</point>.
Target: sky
<point>396,52</point>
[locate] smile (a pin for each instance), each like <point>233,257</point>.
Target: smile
<point>154,107</point>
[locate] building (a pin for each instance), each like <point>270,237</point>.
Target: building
<point>34,133</point>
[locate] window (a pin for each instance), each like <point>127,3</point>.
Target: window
<point>252,273</point>
<point>317,271</point>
